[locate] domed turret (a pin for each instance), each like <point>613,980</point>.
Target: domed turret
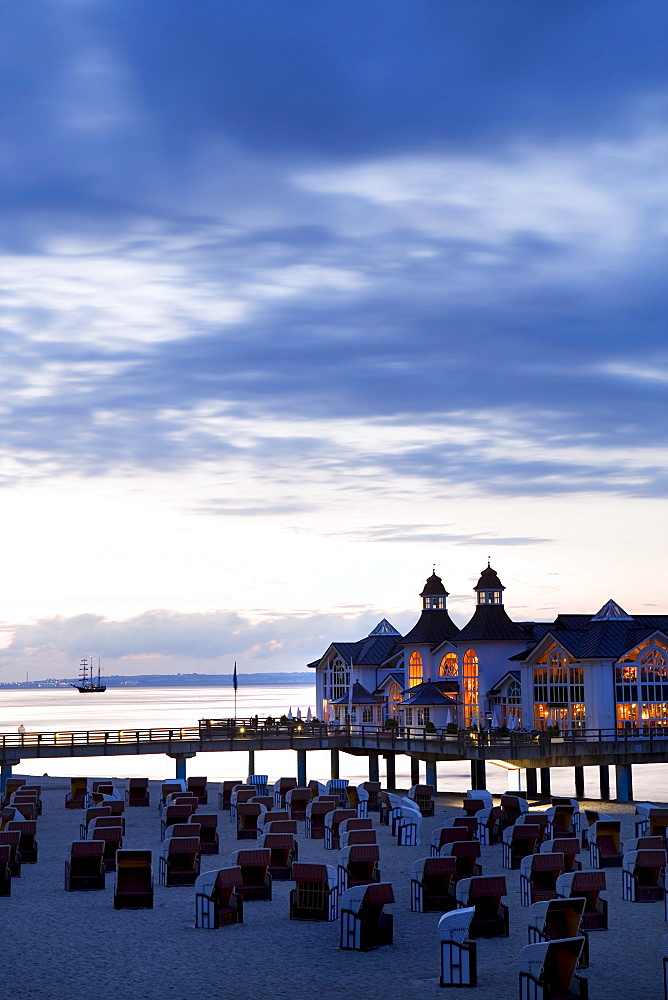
<point>489,588</point>
<point>434,594</point>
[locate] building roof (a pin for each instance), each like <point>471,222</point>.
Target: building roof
<point>489,580</point>
<point>611,612</point>
<point>510,675</point>
<point>599,639</point>
<point>432,693</point>
<point>360,697</point>
<point>397,677</point>
<point>490,622</point>
<point>384,628</point>
<point>432,627</point>
<point>434,585</point>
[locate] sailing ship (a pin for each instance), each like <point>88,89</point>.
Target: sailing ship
<point>87,683</point>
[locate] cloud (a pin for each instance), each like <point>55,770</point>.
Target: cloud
<point>415,533</point>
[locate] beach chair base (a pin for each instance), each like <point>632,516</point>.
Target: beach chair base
<point>360,935</point>
<point>133,901</point>
<point>459,963</point>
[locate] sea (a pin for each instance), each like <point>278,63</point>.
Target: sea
<point>64,710</point>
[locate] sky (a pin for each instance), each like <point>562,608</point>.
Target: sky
<point>300,299</point>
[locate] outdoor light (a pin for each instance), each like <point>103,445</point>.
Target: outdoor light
<point>241,729</point>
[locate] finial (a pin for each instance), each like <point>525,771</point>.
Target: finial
<point>433,568</point>
<point>489,562</point>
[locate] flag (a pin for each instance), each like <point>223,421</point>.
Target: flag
<point>234,676</point>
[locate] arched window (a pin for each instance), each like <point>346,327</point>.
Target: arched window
<point>470,686</point>
<point>394,699</point>
<point>340,679</point>
<point>449,665</point>
<point>415,669</point>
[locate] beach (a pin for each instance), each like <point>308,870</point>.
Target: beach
<point>74,945</point>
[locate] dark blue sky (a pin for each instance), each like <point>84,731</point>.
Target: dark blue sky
<point>410,246</point>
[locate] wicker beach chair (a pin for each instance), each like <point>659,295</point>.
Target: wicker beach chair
<point>373,790</point>
<point>173,787</point>
<point>358,865</point>
<point>284,853</point>
<point>13,784</point>
<point>196,785</point>
<point>589,886</point>
<point>562,821</point>
<point>357,798</point>
<point>175,814</point>
<point>605,850</point>
<point>569,847</point>
<point>281,789</point>
<point>134,880</point>
<point>558,918</point>
<point>332,821</point>
<point>405,820</point>
<point>474,801</point>
<point>247,816</point>
<point>180,861</point>
<point>296,801</point>
<point>112,838</point>
<point>338,786</point>
<point>519,841</point>
<point>431,883</point>
<point>84,869</point>
<point>137,794</point>
<point>489,829</point>
<point>208,836</point>
<point>26,806</point>
<point>259,783</point>
<point>423,796</point>
<point>217,902</point>
<point>548,971</point>
<point>266,824</point>
<point>466,854</point>
<point>538,877</point>
<point>315,896</point>
<point>643,826</point>
<point>76,797</point>
<point>384,808</point>
<point>642,880</point>
<point>12,840</point>
<point>225,793</point>
<point>364,922</point>
<point>5,871</point>
<point>447,834</point>
<point>316,810</point>
<point>34,792</point>
<point>459,965</point>
<point>512,807</point>
<point>484,894</point>
<point>255,878</point>
<point>28,846</point>
<point>240,795</point>
<point>90,815</point>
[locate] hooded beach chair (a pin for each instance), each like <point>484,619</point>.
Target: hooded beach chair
<point>655,824</point>
<point>256,880</point>
<point>35,792</point>
<point>475,800</point>
<point>225,793</point>
<point>318,789</point>
<point>284,853</point>
<point>240,794</point>
<point>259,783</point>
<point>512,807</point>
<point>315,896</point>
<point>558,918</point>
<point>364,922</point>
<point>173,787</point>
<point>458,950</point>
<point>13,784</point>
<point>484,893</point>
<point>489,829</point>
<point>405,820</point>
<point>332,821</point>
<point>431,882</point>
<point>561,821</point>
<point>642,872</point>
<point>296,801</point>
<point>208,834</point>
<point>358,865</point>
<point>175,814</point>
<point>538,877</point>
<point>466,854</point>
<point>548,971</point>
<point>448,834</point>
<point>316,810</point>
<point>281,789</point>
<point>5,871</point>
<point>112,838</point>
<point>338,786</point>
<point>247,817</point>
<point>267,824</point>
<point>25,806</point>
<point>534,818</point>
<point>78,793</point>
<point>605,850</point>
<point>84,869</point>
<point>373,790</point>
<point>134,880</point>
<point>12,840</point>
<point>137,794</point>
<point>589,886</point>
<point>180,861</point>
<point>99,791</point>
<point>354,837</point>
<point>568,846</point>
<point>423,796</point>
<point>519,841</point>
<point>217,902</point>
<point>357,798</point>
<point>28,846</point>
<point>196,785</point>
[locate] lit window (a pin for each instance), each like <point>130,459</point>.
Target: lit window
<point>470,686</point>
<point>414,669</point>
<point>449,665</point>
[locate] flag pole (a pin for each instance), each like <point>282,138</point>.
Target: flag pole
<point>234,685</point>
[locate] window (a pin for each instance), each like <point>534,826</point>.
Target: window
<point>394,699</point>
<point>409,716</point>
<point>470,687</point>
<point>433,603</point>
<point>415,669</point>
<point>340,679</point>
<point>367,713</point>
<point>489,597</point>
<point>641,686</point>
<point>558,692</point>
<point>508,705</point>
<point>449,665</point>
<point>422,716</point>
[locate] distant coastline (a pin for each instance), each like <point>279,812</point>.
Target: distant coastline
<point>170,680</point>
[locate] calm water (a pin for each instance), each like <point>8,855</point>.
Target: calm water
<point>164,707</point>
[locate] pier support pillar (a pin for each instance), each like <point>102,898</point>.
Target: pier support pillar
<point>624,780</point>
<point>334,764</point>
<point>604,782</point>
<point>391,772</point>
<point>532,782</point>
<point>181,759</point>
<point>431,775</point>
<point>415,771</point>
<point>6,772</point>
<point>545,782</point>
<point>374,767</point>
<point>301,768</point>
<point>478,775</point>
<point>251,762</point>
<point>579,782</point>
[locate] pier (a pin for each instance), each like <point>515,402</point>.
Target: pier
<point>535,752</point>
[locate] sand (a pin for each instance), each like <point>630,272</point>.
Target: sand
<point>59,945</point>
